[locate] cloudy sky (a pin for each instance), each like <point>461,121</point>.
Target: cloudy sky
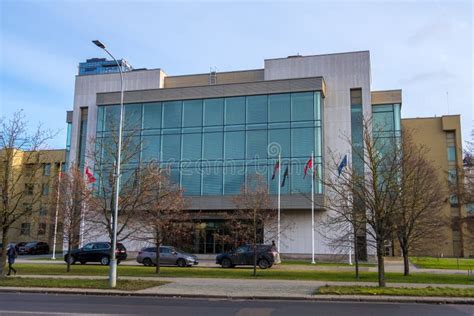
<point>422,47</point>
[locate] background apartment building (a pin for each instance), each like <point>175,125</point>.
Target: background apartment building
<point>37,181</point>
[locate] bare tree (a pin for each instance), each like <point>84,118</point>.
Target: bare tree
<point>254,219</point>
<point>163,218</point>
<point>419,217</point>
<point>102,155</point>
<point>370,194</point>
<point>346,220</point>
<point>21,161</point>
<point>74,200</point>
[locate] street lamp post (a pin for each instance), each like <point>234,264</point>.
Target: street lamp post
<point>113,260</point>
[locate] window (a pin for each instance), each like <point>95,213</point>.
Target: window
<point>46,169</point>
<point>212,181</point>
<point>89,246</point>
<point>151,148</point>
<point>43,211</point>
<point>234,178</point>
<point>213,112</point>
<point>171,147</point>
<point>29,189</point>
<point>452,176</point>
<point>302,142</point>
<point>42,228</point>
<point>302,106</point>
<point>213,143</point>
<point>152,115</point>
<point>28,170</point>
<point>235,110</point>
<point>132,117</point>
<point>470,208</point>
<point>27,207</point>
<point>192,113</point>
<point>25,229</point>
<point>45,189</point>
<point>451,153</point>
<point>235,145</point>
<point>279,108</point>
<point>191,181</point>
<point>172,114</point>
<point>191,146</point>
<point>257,109</point>
<point>257,144</point>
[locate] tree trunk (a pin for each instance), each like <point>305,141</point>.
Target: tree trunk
<point>254,245</point>
<point>406,263</point>
<point>356,255</point>
<point>68,267</point>
<point>380,263</point>
<point>3,264</point>
<point>158,243</point>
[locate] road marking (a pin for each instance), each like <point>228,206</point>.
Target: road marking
<point>255,312</point>
<point>13,313</point>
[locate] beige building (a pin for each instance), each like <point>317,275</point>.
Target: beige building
<point>38,179</point>
<point>442,135</point>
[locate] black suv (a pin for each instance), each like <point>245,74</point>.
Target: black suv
<point>96,252</point>
<point>243,255</point>
<point>34,248</point>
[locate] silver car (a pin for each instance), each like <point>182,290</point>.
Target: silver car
<point>169,256</point>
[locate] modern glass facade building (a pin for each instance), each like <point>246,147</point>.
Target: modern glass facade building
<point>96,66</point>
<point>212,145</point>
<point>213,130</point>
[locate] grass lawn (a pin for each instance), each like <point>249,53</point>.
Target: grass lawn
<point>124,285</point>
<point>443,263</point>
<point>398,291</point>
<point>330,264</point>
<point>238,273</point>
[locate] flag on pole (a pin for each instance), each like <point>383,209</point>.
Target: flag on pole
<point>309,165</point>
<point>342,165</point>
<point>285,175</point>
<point>275,169</point>
<point>90,176</point>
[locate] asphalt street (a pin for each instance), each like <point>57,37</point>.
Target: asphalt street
<point>50,304</point>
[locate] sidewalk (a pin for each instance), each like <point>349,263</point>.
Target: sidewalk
<point>248,289</point>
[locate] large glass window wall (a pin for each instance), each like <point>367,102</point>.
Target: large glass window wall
<point>212,145</point>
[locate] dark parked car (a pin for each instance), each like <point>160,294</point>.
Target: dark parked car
<point>18,245</point>
<point>168,256</point>
<point>96,252</point>
<point>34,248</point>
<point>243,255</point>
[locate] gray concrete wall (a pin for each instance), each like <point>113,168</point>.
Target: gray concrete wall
<point>85,96</point>
<point>341,72</point>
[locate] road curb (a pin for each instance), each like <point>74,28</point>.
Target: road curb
<point>315,298</point>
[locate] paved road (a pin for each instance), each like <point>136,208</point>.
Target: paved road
<point>46,304</point>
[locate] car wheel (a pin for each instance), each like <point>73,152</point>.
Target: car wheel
<point>147,262</point>
<point>263,264</point>
<point>181,263</point>
<point>118,262</point>
<point>226,263</point>
<point>104,261</point>
<point>71,260</point>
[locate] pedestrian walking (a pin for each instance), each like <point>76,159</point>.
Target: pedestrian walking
<point>11,253</point>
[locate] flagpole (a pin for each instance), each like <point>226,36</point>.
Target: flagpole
<point>312,208</point>
<point>279,201</point>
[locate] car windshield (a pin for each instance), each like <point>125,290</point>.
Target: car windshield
<point>31,244</point>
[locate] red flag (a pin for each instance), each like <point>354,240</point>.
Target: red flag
<point>275,169</point>
<point>90,176</point>
<point>309,165</point>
